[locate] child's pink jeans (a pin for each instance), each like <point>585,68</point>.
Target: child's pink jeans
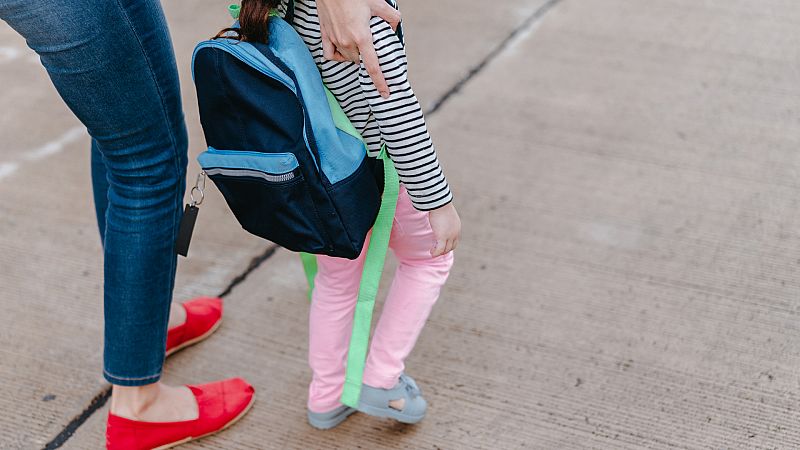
<point>414,290</point>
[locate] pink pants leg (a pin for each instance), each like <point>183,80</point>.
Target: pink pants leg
<point>415,288</point>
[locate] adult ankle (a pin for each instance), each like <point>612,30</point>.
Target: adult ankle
<point>132,401</point>
<point>177,315</point>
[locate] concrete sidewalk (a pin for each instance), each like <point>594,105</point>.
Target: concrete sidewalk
<point>627,174</point>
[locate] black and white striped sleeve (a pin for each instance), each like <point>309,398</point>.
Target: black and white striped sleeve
<point>402,124</point>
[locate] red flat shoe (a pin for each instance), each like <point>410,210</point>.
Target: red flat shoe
<point>220,405</point>
<point>203,317</point>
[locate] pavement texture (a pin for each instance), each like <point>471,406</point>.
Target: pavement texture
<point>627,174</point>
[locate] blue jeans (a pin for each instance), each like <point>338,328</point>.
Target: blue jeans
<point>112,62</point>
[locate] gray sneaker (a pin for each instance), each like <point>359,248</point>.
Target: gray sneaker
<point>330,419</point>
<point>375,401</point>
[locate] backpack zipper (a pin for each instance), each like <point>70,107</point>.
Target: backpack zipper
<point>252,174</point>
<point>254,63</point>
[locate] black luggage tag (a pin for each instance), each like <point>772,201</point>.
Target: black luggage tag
<point>189,217</point>
<point>185,231</point>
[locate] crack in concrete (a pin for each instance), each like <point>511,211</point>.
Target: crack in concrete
<point>97,402</point>
<point>529,23</point>
<point>254,264</point>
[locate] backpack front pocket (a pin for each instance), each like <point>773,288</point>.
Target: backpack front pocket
<point>268,195</point>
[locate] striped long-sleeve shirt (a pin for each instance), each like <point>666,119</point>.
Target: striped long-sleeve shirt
<point>396,121</point>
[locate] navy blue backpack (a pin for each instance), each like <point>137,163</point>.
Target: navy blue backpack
<point>291,166</point>
<point>273,143</point>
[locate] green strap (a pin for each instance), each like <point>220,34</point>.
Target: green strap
<point>234,11</point>
<point>310,268</point>
<point>370,280</point>
<point>340,119</point>
<point>373,265</point>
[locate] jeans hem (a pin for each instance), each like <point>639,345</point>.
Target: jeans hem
<point>131,381</point>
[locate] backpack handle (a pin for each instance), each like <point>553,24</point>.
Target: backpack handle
<point>234,10</point>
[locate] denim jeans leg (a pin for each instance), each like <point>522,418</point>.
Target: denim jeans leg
<point>113,64</point>
<point>99,189</point>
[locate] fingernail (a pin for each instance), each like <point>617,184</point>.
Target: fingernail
<point>385,94</point>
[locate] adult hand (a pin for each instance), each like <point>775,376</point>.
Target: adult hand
<point>346,34</point>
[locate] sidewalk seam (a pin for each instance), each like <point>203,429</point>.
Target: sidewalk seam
<point>529,22</point>
<point>97,402</point>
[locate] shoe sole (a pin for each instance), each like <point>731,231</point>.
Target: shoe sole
<point>333,423</point>
<point>227,425</point>
<point>389,414</point>
<point>196,340</point>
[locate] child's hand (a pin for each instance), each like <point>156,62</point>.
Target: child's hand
<point>446,228</point>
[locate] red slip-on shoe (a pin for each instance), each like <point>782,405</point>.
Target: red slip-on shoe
<point>220,405</point>
<point>203,317</point>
